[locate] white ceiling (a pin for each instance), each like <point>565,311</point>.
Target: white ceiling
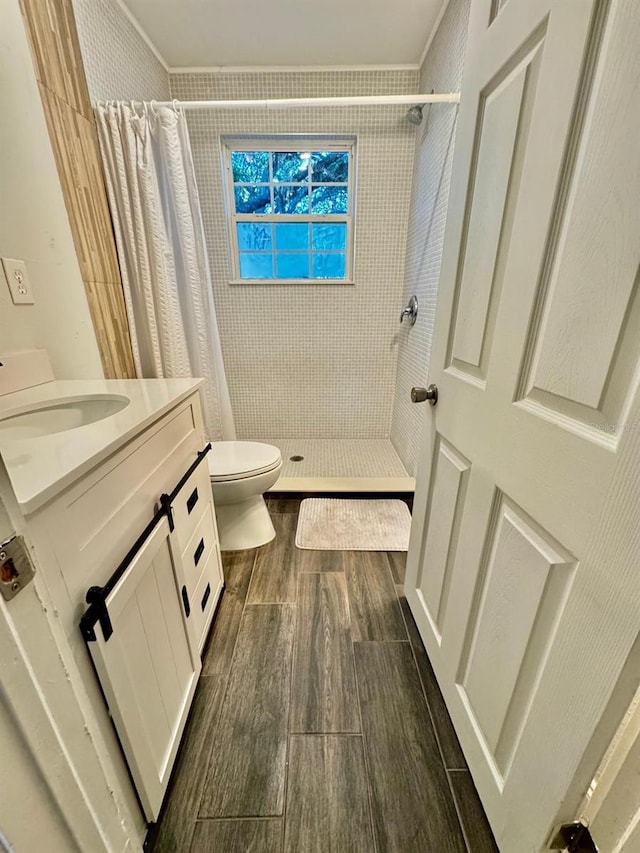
<point>287,32</point>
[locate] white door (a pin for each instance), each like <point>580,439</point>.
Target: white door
<point>147,667</point>
<point>523,566</point>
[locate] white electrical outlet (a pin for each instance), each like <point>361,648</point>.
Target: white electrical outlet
<point>18,281</point>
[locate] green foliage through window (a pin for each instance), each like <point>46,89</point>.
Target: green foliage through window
<point>292,213</point>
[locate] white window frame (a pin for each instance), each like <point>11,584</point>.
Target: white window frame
<point>303,142</point>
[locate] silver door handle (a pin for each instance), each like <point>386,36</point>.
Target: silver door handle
<point>420,395</point>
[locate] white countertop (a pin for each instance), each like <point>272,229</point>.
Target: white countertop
<point>39,468</point>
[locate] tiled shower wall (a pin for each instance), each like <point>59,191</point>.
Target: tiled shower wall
<point>119,64</point>
<point>311,360</point>
<point>442,72</point>
<point>317,361</point>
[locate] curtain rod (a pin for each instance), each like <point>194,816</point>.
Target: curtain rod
<point>285,103</point>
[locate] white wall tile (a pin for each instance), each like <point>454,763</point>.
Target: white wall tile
<point>311,360</point>
<point>441,71</point>
<point>119,64</point>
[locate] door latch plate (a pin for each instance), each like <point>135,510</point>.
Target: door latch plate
<point>16,568</point>
<point>574,838</point>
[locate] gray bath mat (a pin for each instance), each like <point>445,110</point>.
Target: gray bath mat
<point>334,524</point>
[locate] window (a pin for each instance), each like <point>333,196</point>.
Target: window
<point>290,204</point>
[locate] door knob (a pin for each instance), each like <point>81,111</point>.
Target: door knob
<point>419,395</point>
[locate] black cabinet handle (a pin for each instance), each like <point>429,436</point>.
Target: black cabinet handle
<point>205,597</point>
<point>198,552</point>
<point>185,601</point>
<point>192,500</point>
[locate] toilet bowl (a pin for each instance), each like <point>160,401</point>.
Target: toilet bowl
<point>241,471</point>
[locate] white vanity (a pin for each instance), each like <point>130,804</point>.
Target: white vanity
<point>119,512</point>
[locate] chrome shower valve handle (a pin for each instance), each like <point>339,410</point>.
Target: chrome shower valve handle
<point>410,311</point>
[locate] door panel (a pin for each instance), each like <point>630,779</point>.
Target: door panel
<point>518,600</point>
<point>504,111</point>
<point>140,671</point>
<point>450,472</point>
<point>585,347</point>
<point>536,354</point>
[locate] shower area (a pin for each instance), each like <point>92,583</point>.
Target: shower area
<point>324,370</point>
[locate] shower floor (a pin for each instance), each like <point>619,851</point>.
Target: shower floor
<point>340,465</point>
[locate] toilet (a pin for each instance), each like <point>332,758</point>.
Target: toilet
<point>241,471</point>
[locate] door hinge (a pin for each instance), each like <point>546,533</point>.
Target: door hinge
<point>574,838</point>
<point>16,567</point>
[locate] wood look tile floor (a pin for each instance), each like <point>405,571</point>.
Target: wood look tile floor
<point>318,724</point>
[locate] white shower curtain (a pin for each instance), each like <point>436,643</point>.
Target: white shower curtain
<point>161,247</point>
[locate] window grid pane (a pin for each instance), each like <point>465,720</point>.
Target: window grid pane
<point>329,237</point>
<point>292,236</point>
<point>256,265</point>
<point>330,167</point>
<point>292,265</point>
<point>329,264</point>
<point>290,166</point>
<point>250,166</point>
<point>254,236</point>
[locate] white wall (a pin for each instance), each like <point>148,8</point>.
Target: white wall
<point>441,71</point>
<point>26,796</point>
<point>33,221</point>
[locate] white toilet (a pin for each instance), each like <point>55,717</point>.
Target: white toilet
<point>241,471</point>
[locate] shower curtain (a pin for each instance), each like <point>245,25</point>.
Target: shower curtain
<point>159,234</point>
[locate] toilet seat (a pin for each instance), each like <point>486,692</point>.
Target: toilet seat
<point>238,460</point>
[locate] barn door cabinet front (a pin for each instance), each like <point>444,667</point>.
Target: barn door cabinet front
<point>145,660</point>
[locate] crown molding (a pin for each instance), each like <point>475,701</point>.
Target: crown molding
<point>284,69</point>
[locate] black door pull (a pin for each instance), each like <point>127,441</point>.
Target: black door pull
<point>192,500</point>
<point>198,552</point>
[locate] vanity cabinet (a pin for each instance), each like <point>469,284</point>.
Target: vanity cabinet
<point>136,538</point>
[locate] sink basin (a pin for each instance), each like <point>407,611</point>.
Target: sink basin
<point>52,416</point>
